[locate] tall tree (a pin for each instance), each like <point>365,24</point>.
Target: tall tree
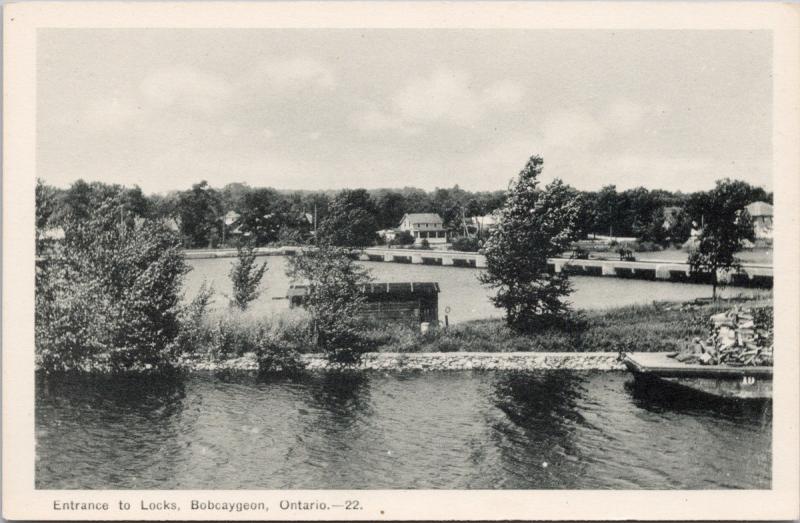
<point>335,297</point>
<point>351,220</point>
<point>200,212</point>
<point>726,225</point>
<point>262,215</point>
<point>534,225</point>
<point>245,275</point>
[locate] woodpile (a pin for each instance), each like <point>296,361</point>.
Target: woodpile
<point>737,337</point>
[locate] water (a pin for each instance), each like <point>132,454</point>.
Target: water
<point>485,430</point>
<point>460,289</point>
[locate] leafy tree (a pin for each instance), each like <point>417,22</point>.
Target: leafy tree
<point>246,276</point>
<point>335,298</point>
<point>110,295</point>
<point>534,225</point>
<point>45,207</point>
<point>262,214</point>
<point>200,212</point>
<point>726,225</point>
<point>351,220</point>
<point>391,206</point>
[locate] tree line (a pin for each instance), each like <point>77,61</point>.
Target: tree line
<point>210,217</point>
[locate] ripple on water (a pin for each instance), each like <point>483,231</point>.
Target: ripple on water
<point>525,430</point>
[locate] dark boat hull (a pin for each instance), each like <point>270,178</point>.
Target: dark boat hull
<point>656,369</point>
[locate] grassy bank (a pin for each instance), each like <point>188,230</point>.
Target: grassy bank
<point>278,340</point>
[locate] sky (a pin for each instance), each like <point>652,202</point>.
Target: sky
<point>343,108</point>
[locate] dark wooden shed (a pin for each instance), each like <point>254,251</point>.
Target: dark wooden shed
<point>412,302</point>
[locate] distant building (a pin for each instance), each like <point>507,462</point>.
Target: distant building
<point>761,213</point>
<point>409,302</point>
<point>389,234</point>
<point>485,223</point>
<point>424,226</point>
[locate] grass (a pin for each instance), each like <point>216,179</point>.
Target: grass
<point>645,328</point>
<point>279,340</point>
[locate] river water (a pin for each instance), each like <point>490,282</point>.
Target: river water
<point>460,289</point>
<point>459,430</point>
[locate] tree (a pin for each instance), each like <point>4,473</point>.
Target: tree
<point>200,212</point>
<point>334,299</point>
<point>109,296</point>
<point>726,225</point>
<point>534,225</point>
<point>245,276</point>
<point>391,206</point>
<point>351,220</point>
<point>262,215</point>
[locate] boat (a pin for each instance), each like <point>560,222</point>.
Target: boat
<point>654,369</point>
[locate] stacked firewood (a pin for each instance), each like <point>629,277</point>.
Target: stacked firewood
<point>738,337</point>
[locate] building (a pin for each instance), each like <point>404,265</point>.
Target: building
<point>388,235</point>
<point>424,226</point>
<point>761,214</point>
<point>409,302</point>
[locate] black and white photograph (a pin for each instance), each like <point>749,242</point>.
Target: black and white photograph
<point>400,258</point>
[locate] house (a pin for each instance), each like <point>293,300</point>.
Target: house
<point>409,302</point>
<point>424,226</point>
<point>485,223</point>
<point>761,214</point>
<point>389,234</point>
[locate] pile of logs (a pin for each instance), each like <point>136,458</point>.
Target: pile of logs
<point>738,337</point>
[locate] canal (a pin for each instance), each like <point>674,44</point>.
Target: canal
<point>460,289</point>
<point>372,430</point>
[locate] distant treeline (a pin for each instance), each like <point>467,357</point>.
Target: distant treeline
<point>209,217</point>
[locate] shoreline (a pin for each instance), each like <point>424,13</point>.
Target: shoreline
<point>435,361</point>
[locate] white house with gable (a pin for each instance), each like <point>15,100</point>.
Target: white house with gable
<point>425,226</point>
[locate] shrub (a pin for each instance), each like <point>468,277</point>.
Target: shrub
<point>109,297</point>
<point>424,244</point>
<point>466,244</point>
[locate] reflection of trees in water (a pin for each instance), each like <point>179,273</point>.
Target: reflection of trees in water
<point>342,393</point>
<point>104,432</point>
<point>538,432</point>
<point>151,397</point>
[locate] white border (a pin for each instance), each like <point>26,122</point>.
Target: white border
<point>22,501</point>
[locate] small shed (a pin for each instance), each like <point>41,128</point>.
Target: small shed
<point>412,302</point>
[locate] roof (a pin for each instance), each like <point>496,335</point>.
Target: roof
<point>378,288</point>
<point>759,209</point>
<point>422,217</point>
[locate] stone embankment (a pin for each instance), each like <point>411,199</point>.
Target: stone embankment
<point>447,361</point>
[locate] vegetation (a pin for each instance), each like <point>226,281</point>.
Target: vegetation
<point>466,244</point>
<point>659,327</point>
<point>246,276</point>
<point>534,226</point>
<point>334,298</point>
<point>726,226</point>
<point>109,294</point>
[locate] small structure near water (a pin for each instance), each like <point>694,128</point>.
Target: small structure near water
<point>407,302</point>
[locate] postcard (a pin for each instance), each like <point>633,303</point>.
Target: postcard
<point>401,261</point>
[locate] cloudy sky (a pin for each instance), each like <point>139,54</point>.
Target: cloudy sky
<point>327,109</point>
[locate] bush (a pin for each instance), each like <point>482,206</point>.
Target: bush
<point>647,246</point>
<point>424,244</point>
<point>109,297</point>
<point>466,244</point>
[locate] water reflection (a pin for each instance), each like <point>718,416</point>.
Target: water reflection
<point>389,430</point>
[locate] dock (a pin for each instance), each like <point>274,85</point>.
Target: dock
<point>752,275</point>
